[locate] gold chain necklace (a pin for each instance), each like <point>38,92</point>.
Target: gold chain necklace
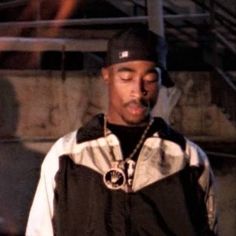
<point>141,140</point>
<point>121,173</point>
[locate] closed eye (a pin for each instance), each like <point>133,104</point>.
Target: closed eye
<point>151,77</point>
<point>126,75</point>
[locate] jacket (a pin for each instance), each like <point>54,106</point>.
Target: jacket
<point>172,192</point>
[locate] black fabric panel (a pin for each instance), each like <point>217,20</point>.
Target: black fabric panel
<point>92,130</point>
<point>166,132</point>
<point>175,203</point>
<point>84,206</point>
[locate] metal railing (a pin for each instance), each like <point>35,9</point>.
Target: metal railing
<point>224,93</point>
<point>222,37</point>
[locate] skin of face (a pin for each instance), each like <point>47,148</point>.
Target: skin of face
<point>132,89</point>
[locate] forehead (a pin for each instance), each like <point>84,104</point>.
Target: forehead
<point>136,66</point>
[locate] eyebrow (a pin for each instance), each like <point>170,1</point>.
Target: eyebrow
<point>155,70</point>
<point>125,69</point>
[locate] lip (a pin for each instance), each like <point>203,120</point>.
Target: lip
<point>136,109</point>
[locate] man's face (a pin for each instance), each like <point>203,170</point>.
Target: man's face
<point>133,88</point>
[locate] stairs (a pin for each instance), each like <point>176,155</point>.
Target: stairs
<point>202,32</point>
<point>222,42</point>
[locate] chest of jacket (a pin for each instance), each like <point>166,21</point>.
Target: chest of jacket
<point>85,206</point>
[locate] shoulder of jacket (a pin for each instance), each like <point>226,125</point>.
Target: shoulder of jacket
<point>93,129</point>
<point>196,155</point>
<point>61,147</point>
<point>168,133</point>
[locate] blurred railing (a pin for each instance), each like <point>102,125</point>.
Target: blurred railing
<point>222,37</point>
<point>224,93</point>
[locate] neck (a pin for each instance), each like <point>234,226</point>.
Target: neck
<point>108,119</point>
<point>131,139</point>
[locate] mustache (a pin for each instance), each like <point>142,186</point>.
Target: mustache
<point>141,103</point>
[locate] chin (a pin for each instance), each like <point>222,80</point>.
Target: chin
<point>134,120</point>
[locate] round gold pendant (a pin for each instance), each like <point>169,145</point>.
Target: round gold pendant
<point>114,178</point>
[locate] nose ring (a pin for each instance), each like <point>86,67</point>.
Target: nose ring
<point>144,93</point>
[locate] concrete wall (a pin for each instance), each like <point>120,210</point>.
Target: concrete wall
<point>43,105</point>
<point>38,107</point>
<point>195,115</point>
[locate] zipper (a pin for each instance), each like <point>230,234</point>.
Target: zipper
<point>131,188</point>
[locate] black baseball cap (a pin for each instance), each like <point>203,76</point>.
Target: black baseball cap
<point>138,43</point>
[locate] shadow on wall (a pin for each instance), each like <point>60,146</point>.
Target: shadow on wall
<point>19,167</point>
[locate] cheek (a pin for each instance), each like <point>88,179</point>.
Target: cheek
<point>120,90</point>
<point>153,95</point>
<point>115,95</point>
<point>153,91</point>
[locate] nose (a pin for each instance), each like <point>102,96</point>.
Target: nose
<point>138,89</point>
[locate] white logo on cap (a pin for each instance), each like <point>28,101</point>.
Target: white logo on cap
<point>123,54</point>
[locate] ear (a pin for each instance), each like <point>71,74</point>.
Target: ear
<point>105,74</point>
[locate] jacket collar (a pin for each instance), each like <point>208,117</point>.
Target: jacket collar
<point>95,129</point>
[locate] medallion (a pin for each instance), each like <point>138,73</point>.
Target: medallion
<point>121,173</point>
<point>114,178</point>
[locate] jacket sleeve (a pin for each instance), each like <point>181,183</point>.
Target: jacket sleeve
<point>197,157</point>
<point>41,212</point>
<point>207,181</point>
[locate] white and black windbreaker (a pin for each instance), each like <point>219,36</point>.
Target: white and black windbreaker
<point>172,190</point>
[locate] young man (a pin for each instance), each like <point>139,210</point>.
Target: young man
<point>126,172</point>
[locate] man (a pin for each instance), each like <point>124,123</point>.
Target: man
<point>125,172</point>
